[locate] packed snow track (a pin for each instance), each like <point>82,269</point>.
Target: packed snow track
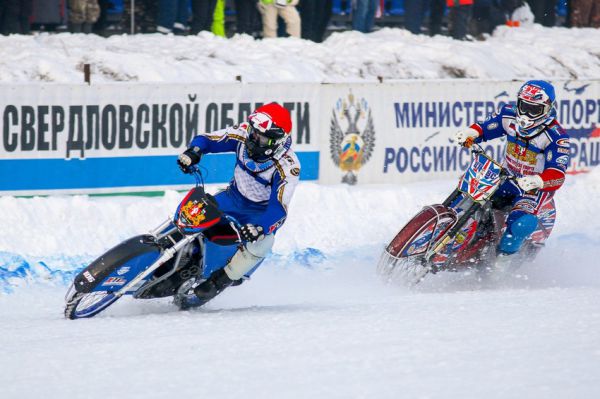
<point>314,321</point>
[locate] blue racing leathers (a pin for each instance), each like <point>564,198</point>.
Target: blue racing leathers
<point>546,153</point>
<point>259,192</point>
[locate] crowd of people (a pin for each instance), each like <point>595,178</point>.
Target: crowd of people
<point>308,19</point>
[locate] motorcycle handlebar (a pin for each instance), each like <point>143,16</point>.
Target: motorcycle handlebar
<point>194,170</point>
<point>478,149</point>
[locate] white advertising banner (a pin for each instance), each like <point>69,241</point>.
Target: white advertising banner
<point>402,131</point>
<point>119,137</point>
<point>125,137</point>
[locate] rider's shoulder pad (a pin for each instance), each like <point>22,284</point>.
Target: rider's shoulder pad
<point>556,132</point>
<point>508,110</point>
<point>290,163</point>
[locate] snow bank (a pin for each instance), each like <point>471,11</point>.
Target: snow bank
<point>314,322</point>
<point>328,227</point>
<point>511,53</point>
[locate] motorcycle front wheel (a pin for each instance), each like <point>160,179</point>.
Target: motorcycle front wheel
<point>87,304</point>
<point>402,259</point>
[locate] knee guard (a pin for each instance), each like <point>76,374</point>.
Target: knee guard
<point>248,256</point>
<point>517,230</point>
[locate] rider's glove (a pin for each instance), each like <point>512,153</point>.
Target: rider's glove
<point>529,183</point>
<point>466,137</point>
<point>251,233</point>
<point>188,158</point>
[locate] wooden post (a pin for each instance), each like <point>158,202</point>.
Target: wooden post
<point>87,74</point>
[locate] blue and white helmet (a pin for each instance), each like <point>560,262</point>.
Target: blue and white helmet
<point>535,107</point>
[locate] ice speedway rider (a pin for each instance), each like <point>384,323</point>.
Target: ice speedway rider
<point>537,154</point>
<point>265,176</point>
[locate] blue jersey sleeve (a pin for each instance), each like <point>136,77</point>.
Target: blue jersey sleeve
<point>225,140</point>
<point>493,126</point>
<point>557,159</point>
<point>558,156</point>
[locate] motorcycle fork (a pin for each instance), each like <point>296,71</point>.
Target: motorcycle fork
<point>161,232</point>
<point>164,233</point>
<point>451,233</point>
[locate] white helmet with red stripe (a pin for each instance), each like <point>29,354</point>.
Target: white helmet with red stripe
<point>535,103</point>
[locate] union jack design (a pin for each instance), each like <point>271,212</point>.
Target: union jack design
<point>533,93</point>
<point>481,179</point>
<point>547,217</point>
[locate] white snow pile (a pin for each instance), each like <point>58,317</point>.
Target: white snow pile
<point>314,321</point>
<point>510,53</point>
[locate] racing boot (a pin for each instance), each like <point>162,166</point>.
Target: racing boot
<point>212,287</point>
<point>205,291</point>
<point>240,264</point>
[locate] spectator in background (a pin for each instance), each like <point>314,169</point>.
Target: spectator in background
<point>414,13</point>
<point>543,10</point>
<point>436,16</point>
<point>218,25</point>
<point>315,15</point>
<point>173,16</point>
<point>363,15</point>
<point>488,14</point>
<point>49,15</point>
<point>459,17</point>
<point>585,13</point>
<point>83,14</point>
<point>145,15</point>
<point>14,16</point>
<point>203,12</point>
<point>245,12</point>
<point>286,9</point>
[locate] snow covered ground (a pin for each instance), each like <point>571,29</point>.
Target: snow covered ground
<point>314,321</point>
<point>511,53</point>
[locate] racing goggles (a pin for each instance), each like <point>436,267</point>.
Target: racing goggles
<point>532,110</point>
<point>265,140</point>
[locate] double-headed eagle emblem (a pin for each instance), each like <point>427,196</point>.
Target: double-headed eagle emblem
<point>351,149</point>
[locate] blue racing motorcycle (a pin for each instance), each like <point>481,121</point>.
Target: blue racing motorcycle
<point>168,261</point>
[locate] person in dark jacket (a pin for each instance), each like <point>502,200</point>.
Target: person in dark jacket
<point>173,16</point>
<point>202,15</point>
<point>488,14</point>
<point>14,16</point>
<point>585,13</point>
<point>436,16</point>
<point>459,17</point>
<point>245,16</point>
<point>315,15</point>
<point>363,15</point>
<point>414,13</point>
<point>544,12</point>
